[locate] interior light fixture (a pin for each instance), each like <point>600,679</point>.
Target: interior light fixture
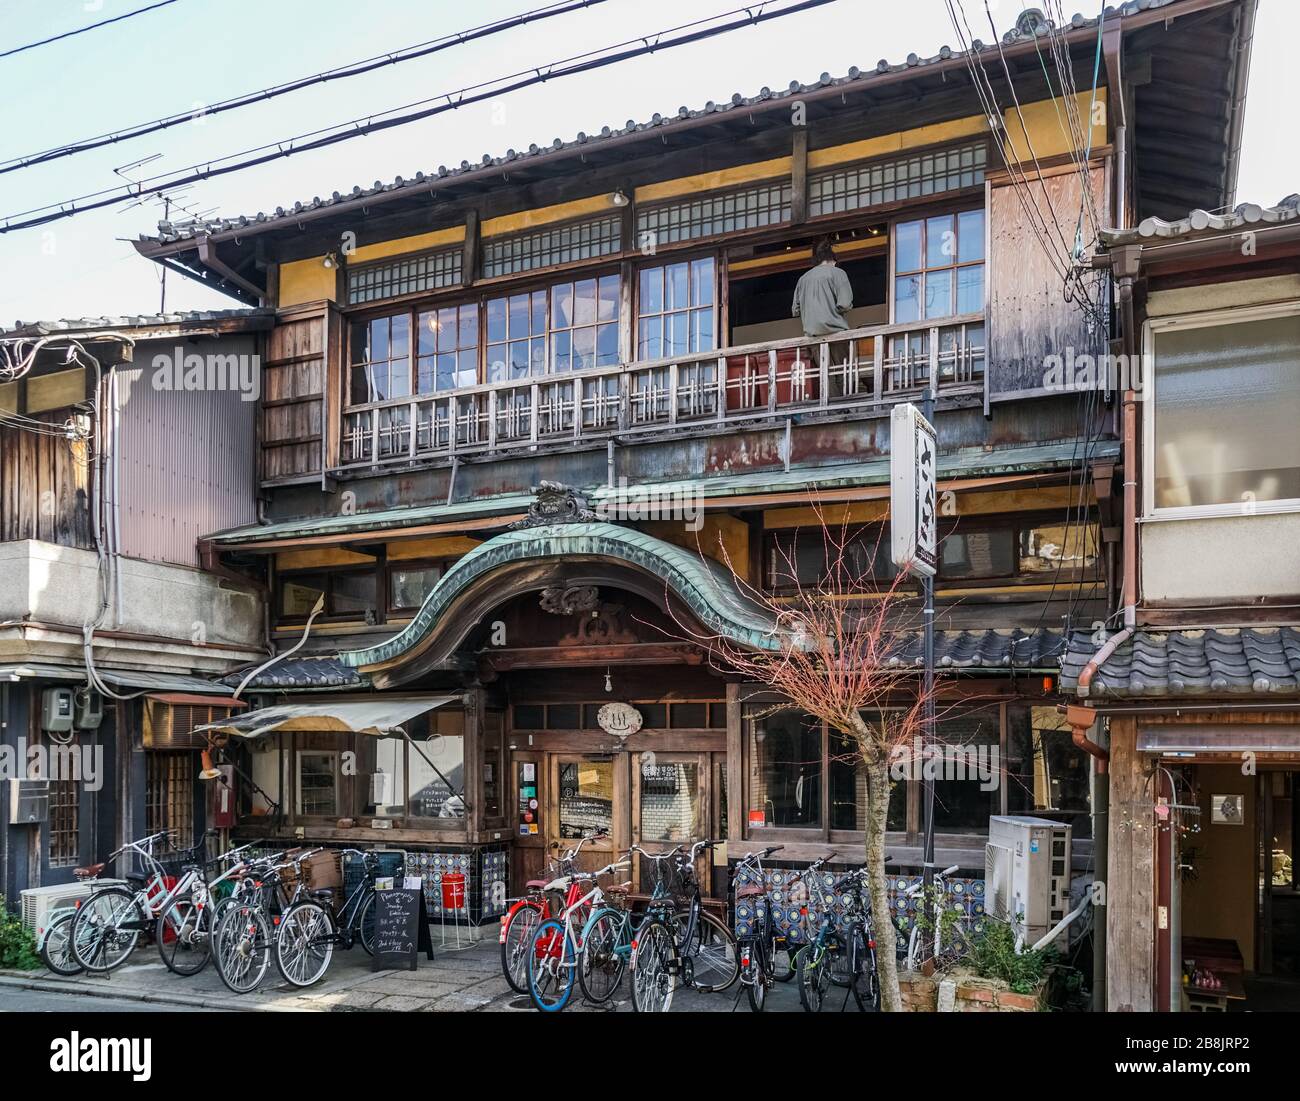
<point>609,684</point>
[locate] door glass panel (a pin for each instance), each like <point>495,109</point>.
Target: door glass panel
<point>785,768</point>
<point>670,800</point>
<point>586,797</point>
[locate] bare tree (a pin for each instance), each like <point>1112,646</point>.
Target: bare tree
<point>834,653</point>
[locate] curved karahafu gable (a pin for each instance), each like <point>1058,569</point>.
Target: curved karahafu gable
<point>707,590</point>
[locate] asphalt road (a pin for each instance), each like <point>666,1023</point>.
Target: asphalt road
<point>40,1001</point>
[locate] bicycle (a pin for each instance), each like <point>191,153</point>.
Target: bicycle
<point>55,945</point>
<point>184,929</point>
<point>758,949</point>
<point>522,919</point>
<point>951,926</point>
<point>849,946</point>
<point>107,926</point>
<point>607,940</point>
<point>307,933</point>
<point>706,946</point>
<point>553,954</point>
<point>246,933</point>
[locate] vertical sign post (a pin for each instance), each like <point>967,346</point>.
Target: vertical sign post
<point>914,541</point>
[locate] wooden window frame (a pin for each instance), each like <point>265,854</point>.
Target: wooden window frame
<point>921,217</point>
<point>689,259</point>
<point>395,564</point>
<point>377,571</point>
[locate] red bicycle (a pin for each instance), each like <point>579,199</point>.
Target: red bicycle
<point>522,919</point>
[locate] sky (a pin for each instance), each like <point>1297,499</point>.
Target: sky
<point>193,52</point>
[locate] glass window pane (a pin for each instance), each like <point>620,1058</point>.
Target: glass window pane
<point>467,373</point>
<point>584,302</point>
<point>562,352</point>
<point>584,348</point>
<point>562,306</point>
<point>299,593</point>
<point>968,794</point>
<point>519,359</point>
<point>408,586</point>
<point>785,764</point>
<point>317,784</point>
<point>400,341</point>
<point>940,241</point>
<point>677,294</point>
<point>586,797</point>
<point>496,319</point>
<point>652,290</point>
<point>848,780</point>
<point>1058,546</point>
<point>352,593</point>
<point>970,289</point>
<point>446,371</point>
<point>650,343</point>
<point>539,313</point>
<point>496,363</point>
<point>907,298</point>
<point>379,339</point>
<point>938,293</point>
<point>907,246</point>
<point>447,329</point>
<point>702,281</point>
<point>607,346</point>
<point>469,325</point>
<point>388,781</point>
<point>360,342</point>
<point>359,392</point>
<point>670,800</point>
<point>1047,774</point>
<point>520,306</point>
<point>436,777</point>
<point>608,291</point>
<point>978,554</point>
<point>970,235</point>
<point>1226,409</point>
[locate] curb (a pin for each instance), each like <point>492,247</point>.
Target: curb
<point>19,981</point>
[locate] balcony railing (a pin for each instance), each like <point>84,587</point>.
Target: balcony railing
<point>853,370</point>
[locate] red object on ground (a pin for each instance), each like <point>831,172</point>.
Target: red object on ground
<point>453,891</point>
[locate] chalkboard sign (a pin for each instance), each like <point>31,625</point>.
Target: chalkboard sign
<point>401,930</point>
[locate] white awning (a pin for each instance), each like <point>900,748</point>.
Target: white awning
<point>378,716</point>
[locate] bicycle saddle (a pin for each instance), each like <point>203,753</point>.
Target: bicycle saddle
<point>90,871</point>
<point>750,890</point>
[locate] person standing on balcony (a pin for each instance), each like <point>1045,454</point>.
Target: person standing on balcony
<point>823,295</point>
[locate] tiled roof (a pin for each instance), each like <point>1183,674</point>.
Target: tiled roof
<point>1253,661</point>
<point>1025,650</point>
<point>300,673</point>
<point>128,321</point>
<point>1244,217</point>
<point>1030,25</point>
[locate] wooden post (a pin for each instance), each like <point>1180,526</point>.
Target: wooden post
<point>799,176</point>
<point>469,269</point>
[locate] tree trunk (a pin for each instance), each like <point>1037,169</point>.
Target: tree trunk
<point>891,1000</point>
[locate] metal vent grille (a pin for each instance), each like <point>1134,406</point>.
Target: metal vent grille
<point>409,275</point>
<point>710,215</point>
<point>894,180</point>
<point>510,254</point>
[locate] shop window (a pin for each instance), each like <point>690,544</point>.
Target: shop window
<point>262,797</point>
<point>530,716</point>
<point>493,736</point>
<point>447,348</point>
<point>971,554</point>
<point>317,794</point>
<point>848,788</point>
<point>1047,774</point>
<point>586,797</point>
<point>670,800</point>
<point>1225,400</point>
<point>785,768</point>
<point>939,266</point>
<point>423,777</point>
<point>970,790</point>
<point>408,585</point>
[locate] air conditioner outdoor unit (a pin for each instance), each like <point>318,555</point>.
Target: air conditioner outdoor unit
<point>39,904</point>
<point>1027,873</point>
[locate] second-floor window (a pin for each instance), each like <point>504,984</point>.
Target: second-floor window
<point>675,309</point>
<point>446,353</point>
<point>939,266</point>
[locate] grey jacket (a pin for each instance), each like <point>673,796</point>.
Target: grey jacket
<point>821,300</point>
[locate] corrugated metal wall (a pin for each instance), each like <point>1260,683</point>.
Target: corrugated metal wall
<point>188,458</point>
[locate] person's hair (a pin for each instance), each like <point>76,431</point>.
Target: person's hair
<point>823,250</point>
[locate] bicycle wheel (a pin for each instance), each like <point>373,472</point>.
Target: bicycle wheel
<point>653,968</point>
<point>366,924</point>
<point>184,936</point>
<point>714,962</point>
<point>56,946</point>
<point>516,942</point>
<point>814,967</point>
<point>304,943</point>
<point>98,942</point>
<point>758,979</point>
<point>243,948</point>
<point>600,963</point>
<point>866,982</point>
<point>551,965</point>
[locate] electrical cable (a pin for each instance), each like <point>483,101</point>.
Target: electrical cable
<point>83,30</point>
<point>360,127</point>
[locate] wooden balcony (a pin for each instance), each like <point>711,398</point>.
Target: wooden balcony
<point>856,370</point>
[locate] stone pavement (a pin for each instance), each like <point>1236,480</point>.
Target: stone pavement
<point>467,980</point>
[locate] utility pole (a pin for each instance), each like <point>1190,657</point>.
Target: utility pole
<point>927,647</point>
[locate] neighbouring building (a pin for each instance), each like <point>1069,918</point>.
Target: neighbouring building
<point>1199,684</point>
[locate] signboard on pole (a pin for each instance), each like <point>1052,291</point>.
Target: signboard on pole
<point>913,520</point>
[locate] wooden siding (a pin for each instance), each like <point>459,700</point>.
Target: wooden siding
<point>1029,317</point>
<point>293,388</point>
<point>44,486</point>
<point>1130,877</point>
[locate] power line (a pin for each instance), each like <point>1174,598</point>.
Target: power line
<point>83,30</point>
<point>360,127</point>
<point>342,72</point>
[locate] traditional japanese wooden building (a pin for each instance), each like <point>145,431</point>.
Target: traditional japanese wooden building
<point>612,314</point>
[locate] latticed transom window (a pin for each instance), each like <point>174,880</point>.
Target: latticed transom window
<point>169,796</point>
<point>896,180</point>
<point>65,831</point>
<point>406,275</point>
<point>710,215</point>
<point>544,248</point>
